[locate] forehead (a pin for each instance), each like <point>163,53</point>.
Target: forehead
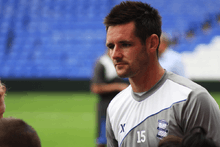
<point>121,32</point>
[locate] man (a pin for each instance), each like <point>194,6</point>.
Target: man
<point>168,58</point>
<point>2,99</point>
<point>106,84</point>
<point>17,133</point>
<point>157,103</point>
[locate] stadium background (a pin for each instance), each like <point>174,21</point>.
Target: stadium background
<point>48,49</point>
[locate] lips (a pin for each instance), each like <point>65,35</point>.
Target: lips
<point>120,63</point>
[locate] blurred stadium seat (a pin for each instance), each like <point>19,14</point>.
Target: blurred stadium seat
<point>63,39</point>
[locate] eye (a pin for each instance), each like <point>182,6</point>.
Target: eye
<point>126,44</point>
<point>110,46</point>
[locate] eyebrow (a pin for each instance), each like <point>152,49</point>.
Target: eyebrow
<point>126,41</point>
<point>121,42</point>
<point>109,44</point>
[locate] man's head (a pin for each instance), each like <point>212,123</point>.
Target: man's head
<point>2,101</point>
<point>146,19</point>
<point>133,31</point>
<point>17,133</point>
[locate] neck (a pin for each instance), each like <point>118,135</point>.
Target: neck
<point>146,80</point>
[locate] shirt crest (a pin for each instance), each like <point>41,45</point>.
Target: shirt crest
<point>162,129</point>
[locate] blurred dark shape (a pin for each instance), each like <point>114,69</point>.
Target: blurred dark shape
<point>190,34</point>
<point>175,38</point>
<point>17,133</point>
<point>207,24</point>
<point>218,18</point>
<point>192,31</point>
<point>170,141</point>
<point>197,138</point>
<point>10,40</point>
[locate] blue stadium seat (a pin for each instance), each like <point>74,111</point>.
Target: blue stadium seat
<point>63,33</point>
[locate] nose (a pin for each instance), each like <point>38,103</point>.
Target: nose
<point>116,53</point>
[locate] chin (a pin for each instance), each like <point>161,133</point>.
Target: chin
<point>124,72</point>
<point>123,75</point>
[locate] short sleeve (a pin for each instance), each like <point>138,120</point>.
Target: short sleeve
<point>111,141</point>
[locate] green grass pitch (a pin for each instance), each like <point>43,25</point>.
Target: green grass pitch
<point>60,118</point>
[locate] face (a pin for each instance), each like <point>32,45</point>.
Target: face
<point>2,103</point>
<point>129,55</point>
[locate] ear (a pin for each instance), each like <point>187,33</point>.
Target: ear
<point>153,42</point>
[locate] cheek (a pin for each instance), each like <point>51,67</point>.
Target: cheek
<point>142,59</point>
<point>110,52</point>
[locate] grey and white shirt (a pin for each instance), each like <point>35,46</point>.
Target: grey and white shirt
<point>172,107</point>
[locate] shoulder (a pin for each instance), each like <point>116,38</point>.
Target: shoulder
<point>119,99</point>
<point>197,92</point>
<point>184,82</point>
<point>119,104</point>
<point>118,108</point>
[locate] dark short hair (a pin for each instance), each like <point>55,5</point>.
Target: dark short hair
<point>170,141</point>
<point>197,138</point>
<point>17,133</point>
<point>147,19</point>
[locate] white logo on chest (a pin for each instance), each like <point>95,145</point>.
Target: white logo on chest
<point>162,129</point>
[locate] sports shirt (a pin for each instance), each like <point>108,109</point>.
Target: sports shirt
<point>172,107</point>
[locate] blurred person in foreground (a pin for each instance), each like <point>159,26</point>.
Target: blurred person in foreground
<point>170,141</point>
<point>168,58</point>
<point>106,84</point>
<point>17,133</point>
<point>2,99</point>
<point>157,102</point>
<point>198,138</point>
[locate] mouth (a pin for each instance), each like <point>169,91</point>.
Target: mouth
<point>119,64</point>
